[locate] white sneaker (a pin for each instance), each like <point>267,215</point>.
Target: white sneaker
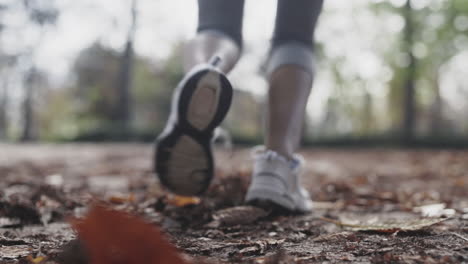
<point>183,156</point>
<point>276,179</point>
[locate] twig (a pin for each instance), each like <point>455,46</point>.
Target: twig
<point>339,223</point>
<point>326,219</point>
<point>460,236</point>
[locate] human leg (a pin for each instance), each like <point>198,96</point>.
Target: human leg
<point>287,99</point>
<point>276,175</point>
<point>219,33</point>
<point>290,74</point>
<point>183,156</point>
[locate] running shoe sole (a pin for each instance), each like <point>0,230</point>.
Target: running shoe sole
<point>183,155</point>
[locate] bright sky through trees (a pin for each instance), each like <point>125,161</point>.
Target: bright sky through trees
<point>354,40</point>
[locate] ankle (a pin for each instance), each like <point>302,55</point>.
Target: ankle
<point>263,152</point>
<point>282,151</point>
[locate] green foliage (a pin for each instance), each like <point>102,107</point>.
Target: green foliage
<point>362,102</point>
<point>58,120</point>
<point>439,34</point>
<point>86,110</point>
<point>244,118</point>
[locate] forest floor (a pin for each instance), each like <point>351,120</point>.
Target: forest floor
<point>371,206</point>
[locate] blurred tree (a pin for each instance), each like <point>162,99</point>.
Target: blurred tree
<point>3,110</point>
<point>442,34</point>
<point>34,82</point>
<point>123,111</point>
<point>409,104</point>
<point>331,123</point>
<point>368,121</point>
<point>387,81</point>
<point>96,68</point>
<point>57,118</point>
<point>41,13</point>
<point>4,63</point>
<point>244,119</point>
<point>428,40</point>
<point>85,108</point>
<point>154,92</point>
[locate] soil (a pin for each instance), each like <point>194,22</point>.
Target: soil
<point>43,186</point>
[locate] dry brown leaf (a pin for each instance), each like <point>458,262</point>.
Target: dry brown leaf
<point>388,226</point>
<point>14,252</point>
<point>279,257</point>
<point>112,237</point>
<point>237,215</point>
<point>122,199</point>
<point>181,201</point>
<point>36,260</point>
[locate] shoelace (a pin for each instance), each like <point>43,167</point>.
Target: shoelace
<point>261,152</point>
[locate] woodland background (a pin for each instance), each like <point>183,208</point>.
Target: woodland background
<point>388,72</point>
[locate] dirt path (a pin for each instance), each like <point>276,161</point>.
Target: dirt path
<point>380,191</point>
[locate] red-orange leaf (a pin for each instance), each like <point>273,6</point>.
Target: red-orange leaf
<point>112,237</point>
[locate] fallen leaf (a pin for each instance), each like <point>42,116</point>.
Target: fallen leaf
<point>36,260</point>
<point>434,210</point>
<point>181,201</point>
<point>388,226</point>
<point>115,199</point>
<point>237,216</point>
<point>328,205</point>
<point>333,236</point>
<point>260,246</point>
<point>112,237</point>
<point>4,221</point>
<point>460,236</point>
<point>55,180</point>
<point>108,183</point>
<point>15,252</point>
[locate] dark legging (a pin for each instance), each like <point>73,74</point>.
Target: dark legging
<point>293,37</point>
<point>295,19</point>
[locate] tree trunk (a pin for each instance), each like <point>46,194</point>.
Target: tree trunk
<point>409,104</point>
<point>437,126</point>
<point>124,104</point>
<point>29,120</point>
<point>368,124</point>
<point>3,112</point>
